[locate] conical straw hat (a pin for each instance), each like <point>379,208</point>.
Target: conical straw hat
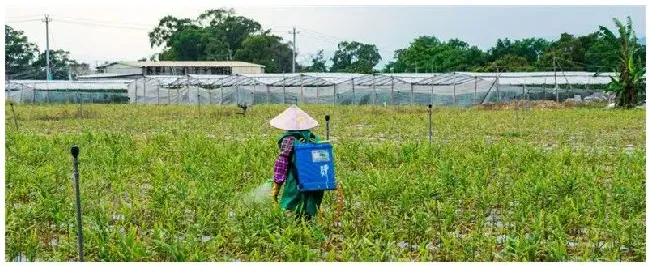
<point>293,119</point>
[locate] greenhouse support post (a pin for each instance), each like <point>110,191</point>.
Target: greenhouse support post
<point>237,88</point>
<point>475,89</point>
<point>268,94</point>
<point>392,90</point>
<point>135,98</point>
<point>144,90</point>
<point>302,91</point>
<point>498,93</point>
<point>158,94</point>
<point>374,91</point>
<point>33,92</point>
<point>81,102</point>
<point>432,77</point>
<point>318,95</point>
<point>525,94</point>
<point>354,95</point>
<point>284,90</point>
<point>412,95</point>
<point>221,98</point>
<point>454,88</point>
<point>22,89</point>
<point>335,102</point>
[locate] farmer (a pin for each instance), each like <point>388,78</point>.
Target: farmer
<point>296,125</point>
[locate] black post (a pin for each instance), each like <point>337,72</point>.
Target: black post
<point>75,154</point>
<point>430,123</point>
<point>14,113</point>
<point>327,127</point>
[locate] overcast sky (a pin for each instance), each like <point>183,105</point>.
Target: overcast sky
<point>85,33</point>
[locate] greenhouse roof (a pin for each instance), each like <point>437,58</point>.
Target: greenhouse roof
<point>536,78</point>
<point>66,84</point>
<point>332,79</point>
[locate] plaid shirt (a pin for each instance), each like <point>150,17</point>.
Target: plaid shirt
<point>281,164</point>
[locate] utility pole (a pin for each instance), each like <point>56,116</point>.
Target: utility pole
<point>47,21</point>
<point>293,63</point>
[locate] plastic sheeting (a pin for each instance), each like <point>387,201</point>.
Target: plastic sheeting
<point>461,88</point>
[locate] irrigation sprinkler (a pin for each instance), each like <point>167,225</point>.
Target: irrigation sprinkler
<point>75,158</point>
<point>430,124</point>
<point>327,127</point>
<point>14,114</point>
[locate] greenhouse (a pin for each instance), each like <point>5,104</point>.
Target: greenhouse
<point>63,91</point>
<point>439,89</point>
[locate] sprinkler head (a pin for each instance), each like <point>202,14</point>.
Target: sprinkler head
<point>75,151</point>
<point>327,118</point>
<point>430,105</point>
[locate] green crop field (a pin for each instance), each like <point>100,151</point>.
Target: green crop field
<point>181,183</point>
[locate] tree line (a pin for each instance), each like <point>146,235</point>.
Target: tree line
<point>23,59</point>
<point>223,35</point>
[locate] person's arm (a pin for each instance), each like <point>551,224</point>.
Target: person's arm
<point>281,165</point>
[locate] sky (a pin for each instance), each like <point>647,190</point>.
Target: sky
<point>95,35</point>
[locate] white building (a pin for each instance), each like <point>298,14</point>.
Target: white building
<point>180,68</point>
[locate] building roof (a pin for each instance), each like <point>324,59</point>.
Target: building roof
<point>108,76</point>
<point>184,64</point>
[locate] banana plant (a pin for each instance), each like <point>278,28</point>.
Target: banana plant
<point>630,77</point>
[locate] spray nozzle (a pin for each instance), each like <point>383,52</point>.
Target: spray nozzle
<point>75,151</point>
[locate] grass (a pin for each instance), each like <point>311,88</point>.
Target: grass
<point>172,183</point>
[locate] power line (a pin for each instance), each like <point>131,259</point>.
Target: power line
<point>26,16</point>
<point>100,25</point>
<point>103,22</point>
<point>23,21</point>
<point>342,40</point>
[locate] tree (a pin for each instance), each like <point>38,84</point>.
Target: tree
<point>428,54</point>
<point>629,78</point>
<point>214,35</point>
<point>61,66</point>
<point>355,57</point>
<point>168,25</point>
<point>567,53</point>
<point>19,54</point>
<point>317,63</point>
<point>267,50</point>
<point>507,63</point>
<point>529,49</point>
<point>24,61</point>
